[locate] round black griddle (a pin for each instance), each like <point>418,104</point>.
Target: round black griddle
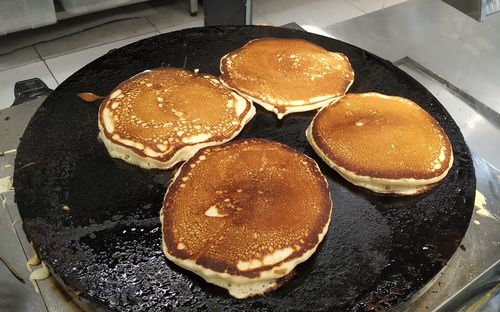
<point>379,250</point>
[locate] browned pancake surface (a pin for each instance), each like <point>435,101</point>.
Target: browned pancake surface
<point>383,137</point>
<point>275,70</point>
<point>259,190</point>
<point>165,109</point>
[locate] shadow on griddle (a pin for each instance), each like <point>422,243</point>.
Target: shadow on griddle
<point>290,130</point>
<point>287,284</point>
<point>198,281</point>
<point>298,276</point>
<point>379,201</point>
<point>160,176</point>
<point>384,202</point>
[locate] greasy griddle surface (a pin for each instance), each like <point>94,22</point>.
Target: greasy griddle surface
<point>108,245</point>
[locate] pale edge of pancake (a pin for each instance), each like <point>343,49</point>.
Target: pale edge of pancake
<point>242,287</point>
<point>129,155</point>
<point>405,186</point>
<point>294,106</point>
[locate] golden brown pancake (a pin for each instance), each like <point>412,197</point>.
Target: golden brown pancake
<point>238,215</point>
<point>286,75</point>
<point>163,116</point>
<point>387,144</point>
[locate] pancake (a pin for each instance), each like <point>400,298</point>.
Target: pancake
<point>286,75</point>
<point>163,116</point>
<point>237,214</point>
<point>387,144</point>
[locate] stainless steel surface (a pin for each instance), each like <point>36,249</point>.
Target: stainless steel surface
<point>485,285</point>
<point>478,9</point>
<point>193,6</point>
<point>469,7</point>
<point>14,296</point>
<point>13,121</point>
<point>490,6</point>
<point>249,12</point>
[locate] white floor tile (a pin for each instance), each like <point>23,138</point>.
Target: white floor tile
<point>318,13</point>
<point>198,23</point>
<point>94,37</point>
<point>368,6</point>
<point>19,57</point>
<point>174,13</point>
<point>259,20</point>
<point>9,77</point>
<point>70,26</point>
<point>65,65</point>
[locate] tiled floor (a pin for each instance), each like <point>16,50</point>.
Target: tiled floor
<point>64,65</point>
<point>55,52</point>
<point>95,37</point>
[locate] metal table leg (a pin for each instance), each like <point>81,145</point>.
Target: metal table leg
<point>193,7</point>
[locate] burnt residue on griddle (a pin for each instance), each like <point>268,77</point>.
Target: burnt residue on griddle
<point>387,296</point>
<point>379,250</point>
<point>443,246</point>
